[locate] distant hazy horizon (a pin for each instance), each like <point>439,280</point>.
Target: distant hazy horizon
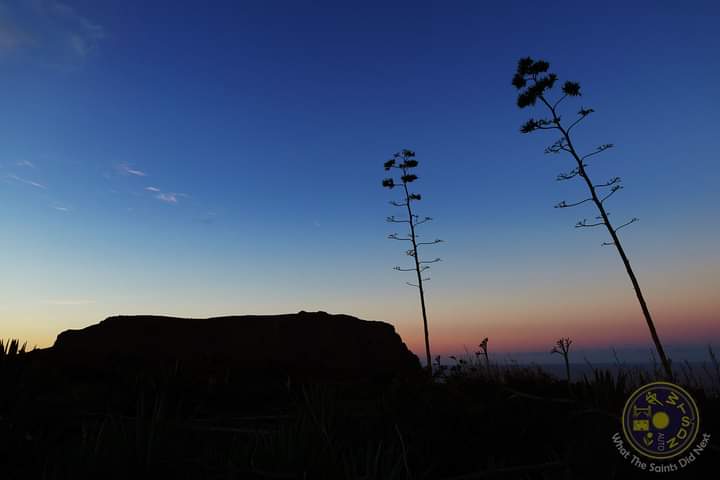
<point>582,352</point>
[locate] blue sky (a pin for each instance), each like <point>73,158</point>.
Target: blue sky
<point>197,160</point>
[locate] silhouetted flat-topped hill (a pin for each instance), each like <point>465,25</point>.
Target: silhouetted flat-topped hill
<point>307,345</point>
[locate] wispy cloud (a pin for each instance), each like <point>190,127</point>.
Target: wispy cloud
<point>69,302</point>
<point>12,38</point>
<point>208,218</point>
<point>25,181</point>
<point>125,169</point>
<point>166,197</point>
<point>48,31</point>
<point>170,197</point>
<point>25,163</point>
<point>60,208</point>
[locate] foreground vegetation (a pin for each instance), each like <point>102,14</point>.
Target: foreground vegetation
<point>474,420</point>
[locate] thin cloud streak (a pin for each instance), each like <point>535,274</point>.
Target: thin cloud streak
<point>207,219</point>
<point>25,181</point>
<point>47,31</point>
<point>25,163</point>
<point>69,302</point>
<point>125,169</point>
<point>169,197</point>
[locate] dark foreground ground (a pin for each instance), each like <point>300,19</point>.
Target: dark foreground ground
<point>470,423</point>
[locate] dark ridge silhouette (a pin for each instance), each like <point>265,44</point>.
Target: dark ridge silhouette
<point>305,346</point>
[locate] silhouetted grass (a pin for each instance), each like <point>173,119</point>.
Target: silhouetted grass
<point>475,419</point>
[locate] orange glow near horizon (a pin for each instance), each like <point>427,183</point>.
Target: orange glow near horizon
<point>684,315</point>
<point>601,332</point>
<point>527,316</point>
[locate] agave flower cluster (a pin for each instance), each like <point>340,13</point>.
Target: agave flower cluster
<point>532,76</point>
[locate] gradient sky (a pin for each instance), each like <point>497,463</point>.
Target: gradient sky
<point>184,159</point>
